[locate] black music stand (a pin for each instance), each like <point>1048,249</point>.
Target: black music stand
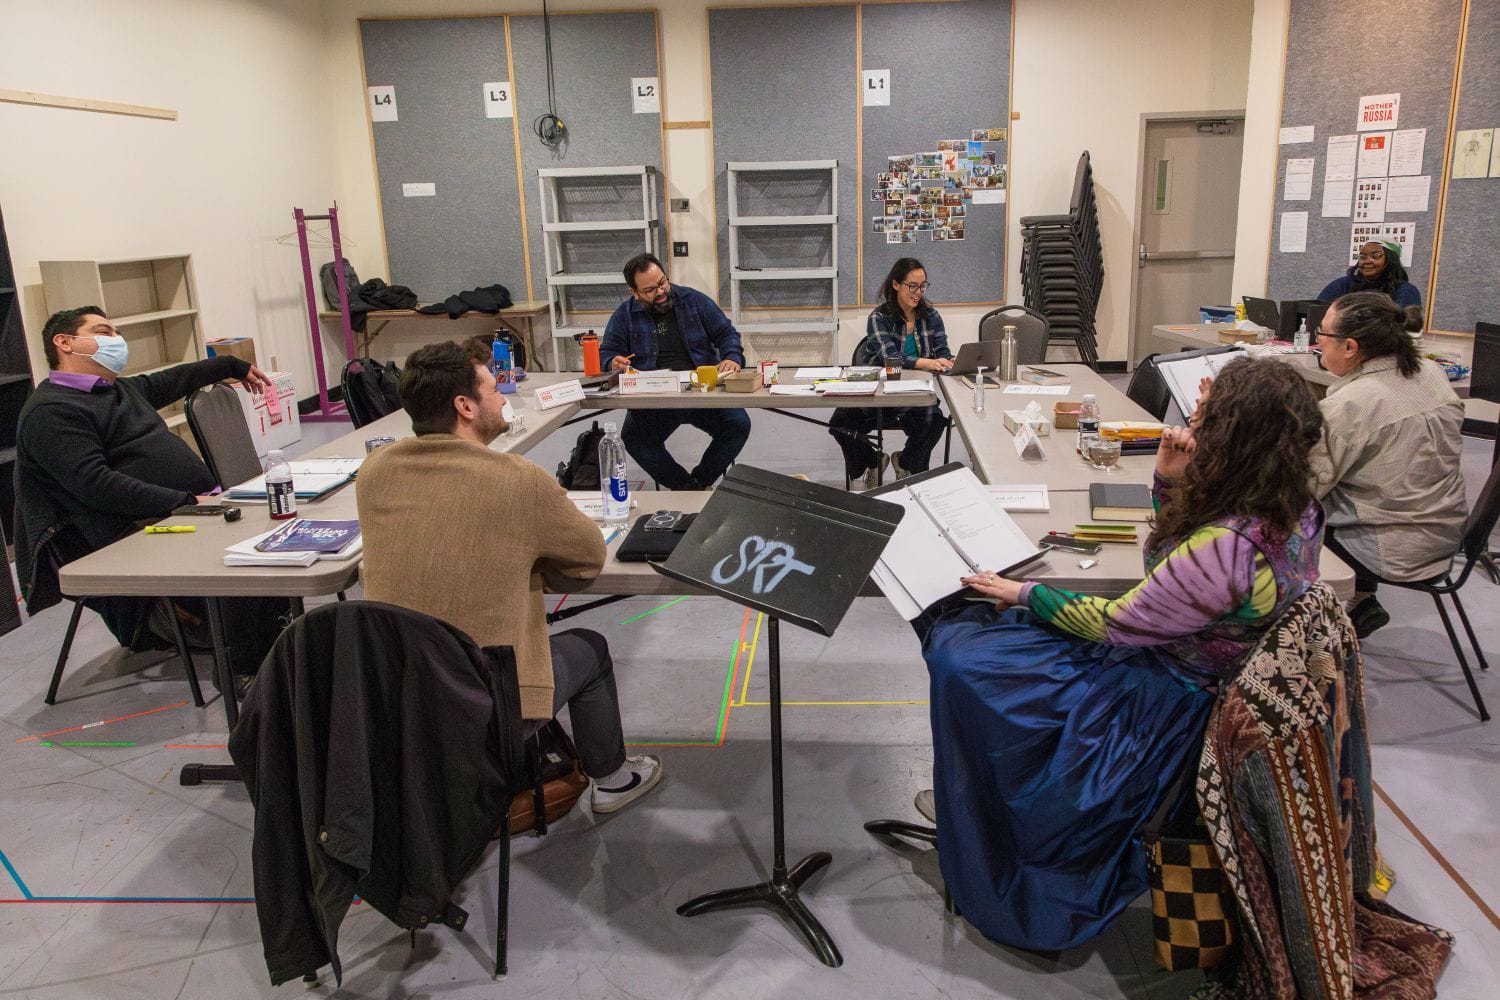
<point>797,551</point>
<point>1484,383</point>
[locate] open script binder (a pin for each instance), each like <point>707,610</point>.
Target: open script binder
<point>953,528</point>
<point>1183,372</point>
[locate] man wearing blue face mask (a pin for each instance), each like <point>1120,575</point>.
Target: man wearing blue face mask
<point>94,458</point>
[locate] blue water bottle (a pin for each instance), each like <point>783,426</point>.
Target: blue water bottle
<point>500,366</point>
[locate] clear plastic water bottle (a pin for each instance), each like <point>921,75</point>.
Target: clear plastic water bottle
<point>614,488</point>
<point>280,494</point>
<point>1088,421</point>
<point>979,389</point>
<point>1008,355</point>
<point>1302,339</point>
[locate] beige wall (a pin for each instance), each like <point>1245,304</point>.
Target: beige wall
<point>250,142</point>
<point>1086,71</point>
<point>221,181</point>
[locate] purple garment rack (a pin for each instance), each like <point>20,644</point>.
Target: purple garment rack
<point>328,410</point>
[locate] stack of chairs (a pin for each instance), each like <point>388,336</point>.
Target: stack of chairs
<point>1062,266</point>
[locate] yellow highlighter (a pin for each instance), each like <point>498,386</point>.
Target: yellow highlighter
<point>169,529</point>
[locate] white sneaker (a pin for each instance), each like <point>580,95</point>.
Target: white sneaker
<point>873,474</point>
<point>644,771</point>
<point>926,804</point>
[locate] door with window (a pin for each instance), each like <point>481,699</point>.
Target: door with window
<point>1189,205</point>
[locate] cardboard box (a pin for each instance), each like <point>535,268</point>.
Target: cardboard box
<point>234,347</point>
<point>1065,415</point>
<point>741,381</point>
<point>1014,419</point>
<point>272,426</point>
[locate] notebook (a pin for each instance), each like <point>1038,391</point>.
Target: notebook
<point>311,478</point>
<point>1120,502</point>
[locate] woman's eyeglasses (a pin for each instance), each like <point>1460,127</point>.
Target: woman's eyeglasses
<point>912,286</point>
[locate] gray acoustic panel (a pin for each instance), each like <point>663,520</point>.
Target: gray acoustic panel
<point>950,73</point>
<point>1466,291</point>
<point>469,233</point>
<point>1324,82</point>
<point>784,88</point>
<point>594,58</point>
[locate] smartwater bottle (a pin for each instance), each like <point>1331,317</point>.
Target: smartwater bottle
<point>1008,355</point>
<point>613,486</point>
<point>979,389</point>
<point>280,495</point>
<point>1088,421</point>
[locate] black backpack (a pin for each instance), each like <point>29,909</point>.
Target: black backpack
<point>581,470</point>
<point>371,390</point>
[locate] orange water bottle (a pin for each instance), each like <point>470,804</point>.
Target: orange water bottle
<point>590,345</point>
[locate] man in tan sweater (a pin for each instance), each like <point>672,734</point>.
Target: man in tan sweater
<point>471,536</point>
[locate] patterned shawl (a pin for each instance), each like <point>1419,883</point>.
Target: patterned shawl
<point>1284,786</point>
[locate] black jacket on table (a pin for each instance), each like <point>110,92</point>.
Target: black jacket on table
<point>91,465</point>
<point>381,748</point>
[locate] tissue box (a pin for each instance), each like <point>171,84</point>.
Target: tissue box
<point>741,381</point>
<point>1065,415</point>
<point>1229,335</point>
<point>1014,419</point>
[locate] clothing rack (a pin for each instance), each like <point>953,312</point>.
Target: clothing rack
<point>328,410</point>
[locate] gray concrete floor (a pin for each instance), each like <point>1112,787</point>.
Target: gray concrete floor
<point>117,882</point>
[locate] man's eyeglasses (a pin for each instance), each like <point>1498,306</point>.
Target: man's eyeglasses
<point>912,286</point>
<point>660,286</point>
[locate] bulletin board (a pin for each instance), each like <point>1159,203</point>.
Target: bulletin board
<point>788,83</point>
<point>1466,288</point>
<point>467,233</point>
<point>949,78</point>
<point>1335,61</point>
<point>466,222</point>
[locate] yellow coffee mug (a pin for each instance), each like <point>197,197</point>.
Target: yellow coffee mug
<point>706,376</point>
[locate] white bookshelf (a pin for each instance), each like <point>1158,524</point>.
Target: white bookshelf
<point>152,301</point>
<point>599,206</point>
<point>818,325</point>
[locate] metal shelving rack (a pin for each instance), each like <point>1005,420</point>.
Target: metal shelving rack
<point>557,228</point>
<point>826,324</point>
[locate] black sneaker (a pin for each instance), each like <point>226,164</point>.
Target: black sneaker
<point>1368,616</point>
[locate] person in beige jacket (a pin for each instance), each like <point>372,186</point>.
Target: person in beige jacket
<point>1388,469</point>
<point>472,536</point>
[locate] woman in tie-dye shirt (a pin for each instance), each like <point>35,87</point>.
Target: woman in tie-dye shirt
<point>1060,720</point>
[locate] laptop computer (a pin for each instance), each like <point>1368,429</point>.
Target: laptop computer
<point>1263,312</point>
<point>971,356</point>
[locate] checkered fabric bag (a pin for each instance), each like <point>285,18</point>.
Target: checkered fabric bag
<point>1192,909</point>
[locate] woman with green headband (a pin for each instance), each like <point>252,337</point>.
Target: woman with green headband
<point>1379,269</point>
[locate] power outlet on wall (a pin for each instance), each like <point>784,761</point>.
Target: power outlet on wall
<point>679,249</point>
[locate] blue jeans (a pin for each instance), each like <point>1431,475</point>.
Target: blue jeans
<point>645,435</point>
<point>924,427</point>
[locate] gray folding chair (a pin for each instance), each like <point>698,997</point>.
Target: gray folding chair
<point>218,425</point>
<point>1031,331</point>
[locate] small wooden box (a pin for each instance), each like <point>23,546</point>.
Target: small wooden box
<point>1065,415</point>
<point>743,380</point>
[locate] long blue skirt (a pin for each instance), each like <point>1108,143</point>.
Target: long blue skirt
<point>1050,753</point>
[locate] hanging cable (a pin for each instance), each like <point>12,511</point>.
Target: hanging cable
<point>549,128</point>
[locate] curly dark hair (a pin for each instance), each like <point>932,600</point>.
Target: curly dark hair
<point>1259,425</point>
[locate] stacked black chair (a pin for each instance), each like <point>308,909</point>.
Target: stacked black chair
<point>1062,266</point>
